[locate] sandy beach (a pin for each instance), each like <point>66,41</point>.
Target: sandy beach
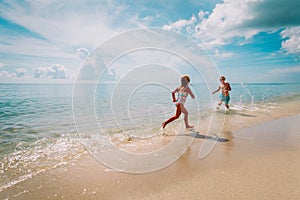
<point>257,158</point>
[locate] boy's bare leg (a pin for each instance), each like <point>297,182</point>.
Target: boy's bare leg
<point>220,103</point>
<point>227,106</point>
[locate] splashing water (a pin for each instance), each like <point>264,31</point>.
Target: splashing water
<point>244,103</point>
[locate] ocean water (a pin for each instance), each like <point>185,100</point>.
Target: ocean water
<point>38,131</point>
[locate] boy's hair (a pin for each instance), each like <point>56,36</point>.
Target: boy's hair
<point>186,77</point>
<point>223,78</point>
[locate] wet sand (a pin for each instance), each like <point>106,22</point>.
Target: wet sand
<point>257,162</point>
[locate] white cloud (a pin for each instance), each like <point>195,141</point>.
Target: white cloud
<point>54,72</point>
<point>65,25</point>
<point>62,28</point>
<point>147,20</point>
<point>292,42</point>
<point>72,22</point>
<point>202,14</point>
<point>21,72</point>
<point>225,23</point>
<point>18,73</point>
<point>92,68</point>
<point>178,25</point>
<point>59,23</point>
<point>223,54</point>
<point>82,53</point>
<point>36,47</point>
<point>237,21</point>
<point>220,26</point>
<point>6,74</point>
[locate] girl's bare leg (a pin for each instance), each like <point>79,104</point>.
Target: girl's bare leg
<point>177,114</point>
<point>186,117</point>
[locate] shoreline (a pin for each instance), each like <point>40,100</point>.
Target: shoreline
<point>233,120</point>
<point>86,178</point>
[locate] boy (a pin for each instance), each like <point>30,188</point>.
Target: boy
<point>224,96</point>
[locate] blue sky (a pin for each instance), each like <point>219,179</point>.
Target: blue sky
<point>250,41</point>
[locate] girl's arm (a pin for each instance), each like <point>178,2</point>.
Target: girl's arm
<point>216,90</point>
<point>191,93</point>
<point>173,94</point>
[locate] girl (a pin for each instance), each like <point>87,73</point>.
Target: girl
<point>183,92</point>
<point>224,96</point>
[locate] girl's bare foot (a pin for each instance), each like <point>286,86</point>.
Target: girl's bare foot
<point>189,126</point>
<point>163,124</point>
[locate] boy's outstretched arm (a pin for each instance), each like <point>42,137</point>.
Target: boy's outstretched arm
<point>216,90</point>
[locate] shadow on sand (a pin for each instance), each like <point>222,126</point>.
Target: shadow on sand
<point>234,112</point>
<point>196,134</point>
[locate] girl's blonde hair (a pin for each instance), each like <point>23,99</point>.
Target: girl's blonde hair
<point>185,77</point>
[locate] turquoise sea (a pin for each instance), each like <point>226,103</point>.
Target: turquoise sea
<point>38,132</point>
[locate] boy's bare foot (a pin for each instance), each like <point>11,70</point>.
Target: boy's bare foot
<point>189,126</point>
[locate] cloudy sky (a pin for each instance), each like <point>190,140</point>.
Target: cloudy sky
<point>249,40</point>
